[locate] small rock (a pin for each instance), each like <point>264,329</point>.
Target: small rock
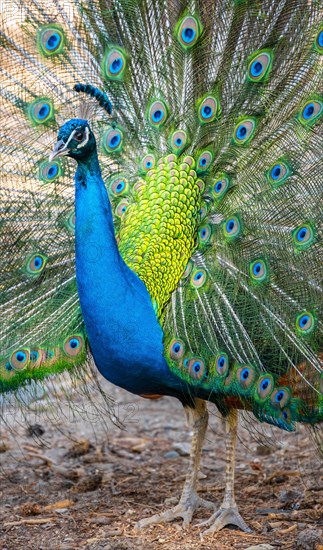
<point>261,547</point>
<point>183,449</point>
<point>309,539</point>
<point>171,454</point>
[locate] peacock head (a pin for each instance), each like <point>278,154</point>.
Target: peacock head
<point>75,139</point>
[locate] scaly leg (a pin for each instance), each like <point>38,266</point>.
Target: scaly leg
<point>228,513</point>
<point>189,501</point>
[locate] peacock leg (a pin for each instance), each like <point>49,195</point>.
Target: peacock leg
<point>189,501</point>
<point>228,513</point>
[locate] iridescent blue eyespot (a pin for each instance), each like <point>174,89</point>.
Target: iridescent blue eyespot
<point>176,349</point>
<point>112,140</point>
<point>260,65</point>
<point>280,397</point>
<point>35,264</point>
<point>305,323</point>
<point>303,236</point>
<point>119,186</point>
<point>178,141</point>
<point>204,161</point>
<point>148,162</point>
<point>20,359</point>
<point>278,173</point>
<point>232,227</point>
<point>220,187</point>
<point>204,234</point>
<point>189,29</point>
<point>49,171</point>
<point>114,63</point>
<point>196,368</point>
<point>319,42</point>
<point>208,109</point>
<point>121,208</point>
<point>244,131</point>
<point>311,111</point>
<point>34,355</point>
<point>51,40</point>
<point>73,345</point>
<point>9,367</point>
<point>245,376</point>
<point>157,113</point>
<point>221,364</point>
<point>198,278</point>
<point>258,270</point>
<point>265,386</point>
<point>41,111</point>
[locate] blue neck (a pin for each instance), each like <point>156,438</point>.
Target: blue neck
<point>124,334</point>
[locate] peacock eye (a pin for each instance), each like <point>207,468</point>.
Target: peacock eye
<point>79,136</point>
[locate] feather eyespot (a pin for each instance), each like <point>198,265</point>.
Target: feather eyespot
<point>114,64</point>
<point>50,171</point>
<point>157,113</point>
<point>188,269</point>
<point>20,359</point>
<point>112,140</point>
<point>280,397</point>
<point>178,141</point>
<point>148,162</point>
<point>204,234</point>
<point>203,211</point>
<point>73,345</point>
<point>245,376</point>
<point>319,42</point>
<point>36,264</point>
<point>176,349</point>
<point>303,236</point>
<point>121,208</point>
<point>51,40</point>
<point>222,364</point>
<point>311,111</point>
<point>244,131</point>
<point>204,161</point>
<point>119,186</point>
<point>70,222</point>
<point>198,278</point>
<point>189,31</point>
<point>260,65</point>
<point>36,358</point>
<point>265,386</point>
<point>41,111</point>
<point>258,270</point>
<point>208,109</point>
<point>196,367</point>
<point>278,173</point>
<point>305,323</point>
<point>232,228</point>
<point>220,187</point>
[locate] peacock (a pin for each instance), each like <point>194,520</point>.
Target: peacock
<point>173,233</point>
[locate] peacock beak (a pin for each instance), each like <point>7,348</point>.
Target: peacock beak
<point>60,150</point>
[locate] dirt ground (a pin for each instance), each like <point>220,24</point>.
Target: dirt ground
<point>72,484</point>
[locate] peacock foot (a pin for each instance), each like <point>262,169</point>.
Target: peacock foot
<point>184,509</point>
<point>222,517</point>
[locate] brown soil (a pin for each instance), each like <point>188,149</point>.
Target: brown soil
<point>72,484</point>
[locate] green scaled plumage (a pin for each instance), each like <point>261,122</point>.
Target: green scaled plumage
<point>211,159</point>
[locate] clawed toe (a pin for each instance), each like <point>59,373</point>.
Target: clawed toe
<point>223,517</point>
<point>184,510</point>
